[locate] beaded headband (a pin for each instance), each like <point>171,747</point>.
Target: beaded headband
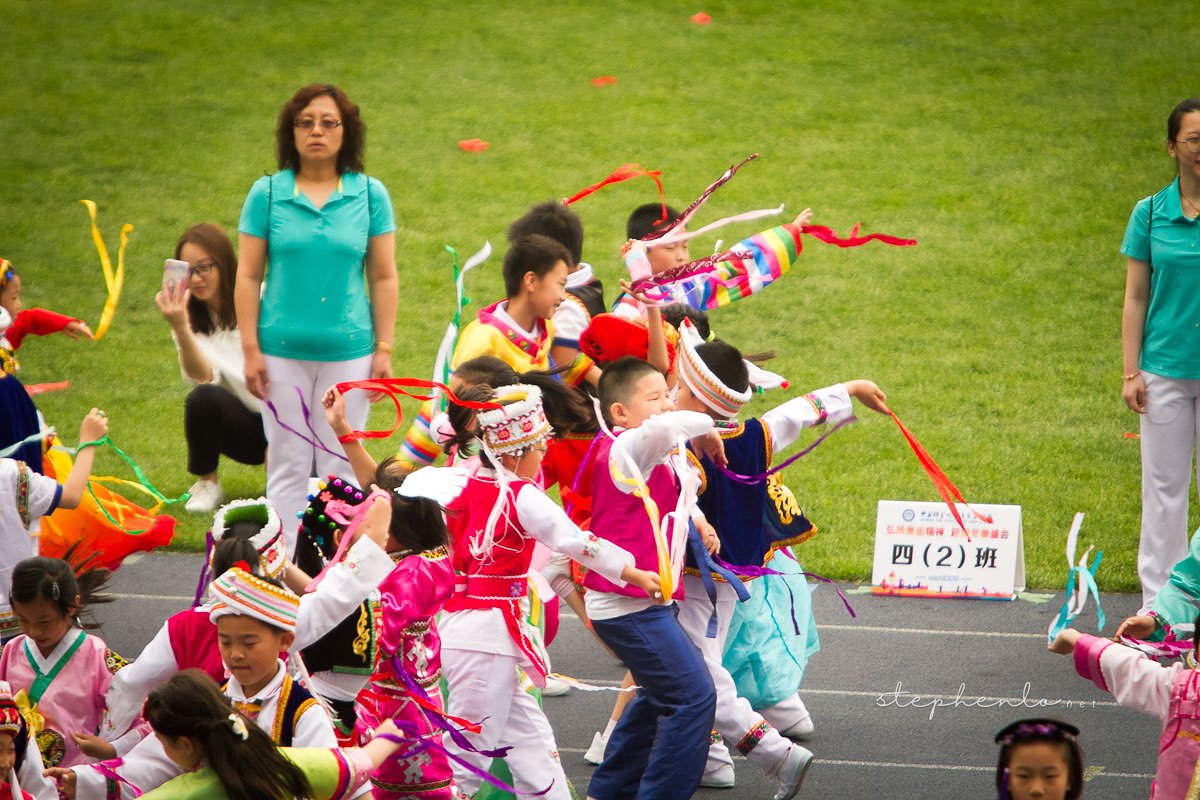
<point>519,425</point>
<point>707,387</point>
<point>269,542</point>
<point>238,592</point>
<point>1037,729</point>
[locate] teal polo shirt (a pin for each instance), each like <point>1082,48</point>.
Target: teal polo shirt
<point>315,306</point>
<point>1171,243</point>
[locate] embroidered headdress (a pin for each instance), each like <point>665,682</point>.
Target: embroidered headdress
<point>269,542</point>
<point>707,387</point>
<point>519,425</point>
<point>238,592</point>
<point>11,721</point>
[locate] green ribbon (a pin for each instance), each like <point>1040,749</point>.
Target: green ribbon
<point>141,479</point>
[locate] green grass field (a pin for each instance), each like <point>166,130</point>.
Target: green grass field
<point>1011,139</point>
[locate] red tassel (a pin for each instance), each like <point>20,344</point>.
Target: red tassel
<point>941,482</point>
<point>392,387</point>
<point>827,236</point>
<point>623,173</point>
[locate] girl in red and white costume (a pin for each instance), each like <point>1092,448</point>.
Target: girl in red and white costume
<point>494,525</point>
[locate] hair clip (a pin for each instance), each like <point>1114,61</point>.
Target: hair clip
<point>239,726</point>
<point>55,594</point>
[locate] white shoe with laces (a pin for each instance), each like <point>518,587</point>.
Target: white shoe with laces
<point>791,774</point>
<point>595,753</point>
<point>206,496</point>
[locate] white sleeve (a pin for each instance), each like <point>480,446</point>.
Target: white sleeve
<point>31,778</point>
<point>44,494</point>
<point>146,766</point>
<point>785,422</point>
<point>314,729</point>
<point>545,521</point>
<point>653,441</point>
<point>1137,682</point>
<point>347,584</point>
<point>135,681</point>
<point>569,322</point>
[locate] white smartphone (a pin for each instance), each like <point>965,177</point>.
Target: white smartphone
<point>175,273</point>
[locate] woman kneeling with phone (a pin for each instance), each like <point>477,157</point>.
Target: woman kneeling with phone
<point>220,416</point>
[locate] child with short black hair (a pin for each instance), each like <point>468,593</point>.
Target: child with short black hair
<point>1040,759</point>
<point>585,292</point>
<point>715,380</point>
<point>255,619</point>
<point>518,330</point>
<point>658,748</point>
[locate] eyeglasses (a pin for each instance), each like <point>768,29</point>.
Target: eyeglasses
<point>201,270</point>
<point>307,124</point>
<point>1192,142</point>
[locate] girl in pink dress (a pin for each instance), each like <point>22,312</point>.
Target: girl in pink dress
<point>408,668</point>
<point>63,671</point>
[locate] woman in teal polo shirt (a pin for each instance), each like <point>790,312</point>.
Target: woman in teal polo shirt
<point>1160,336</point>
<point>321,233</point>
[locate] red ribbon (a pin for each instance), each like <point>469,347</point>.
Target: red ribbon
<point>683,218</point>
<point>826,235</point>
<point>945,487</point>
<point>396,386</point>
<point>623,173</point>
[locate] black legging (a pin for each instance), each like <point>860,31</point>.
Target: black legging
<point>216,423</point>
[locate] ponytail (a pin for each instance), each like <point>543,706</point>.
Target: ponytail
<point>462,419</point>
<point>244,759</point>
<point>568,410</point>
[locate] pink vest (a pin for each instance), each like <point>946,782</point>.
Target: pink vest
<point>194,642</point>
<point>1179,747</point>
<point>621,519</point>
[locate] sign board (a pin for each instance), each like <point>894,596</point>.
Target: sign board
<point>920,551</point>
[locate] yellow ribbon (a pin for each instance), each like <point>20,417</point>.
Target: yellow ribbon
<point>666,575</point>
<point>33,720</point>
<point>113,280</point>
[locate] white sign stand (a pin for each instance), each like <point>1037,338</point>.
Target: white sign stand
<point>920,551</point>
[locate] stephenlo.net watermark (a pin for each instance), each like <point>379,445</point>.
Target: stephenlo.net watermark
<point>902,699</point>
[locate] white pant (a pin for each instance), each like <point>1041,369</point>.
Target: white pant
<point>785,713</point>
<point>1169,438</point>
<point>290,459</point>
<point>735,719</point>
<point>484,686</point>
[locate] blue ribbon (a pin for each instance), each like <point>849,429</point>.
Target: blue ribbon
<point>706,567</point>
<point>1087,582</point>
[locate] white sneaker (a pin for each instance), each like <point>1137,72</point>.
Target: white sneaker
<point>595,753</point>
<point>554,687</point>
<point>791,775</point>
<point>801,730</point>
<point>205,497</point>
<point>719,778</point>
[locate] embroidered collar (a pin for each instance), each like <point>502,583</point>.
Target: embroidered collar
<point>46,663</point>
<point>532,344</point>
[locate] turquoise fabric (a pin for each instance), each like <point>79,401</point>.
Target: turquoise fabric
<point>1178,602</point>
<point>763,652</point>
<point>1171,243</point>
<point>315,306</point>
